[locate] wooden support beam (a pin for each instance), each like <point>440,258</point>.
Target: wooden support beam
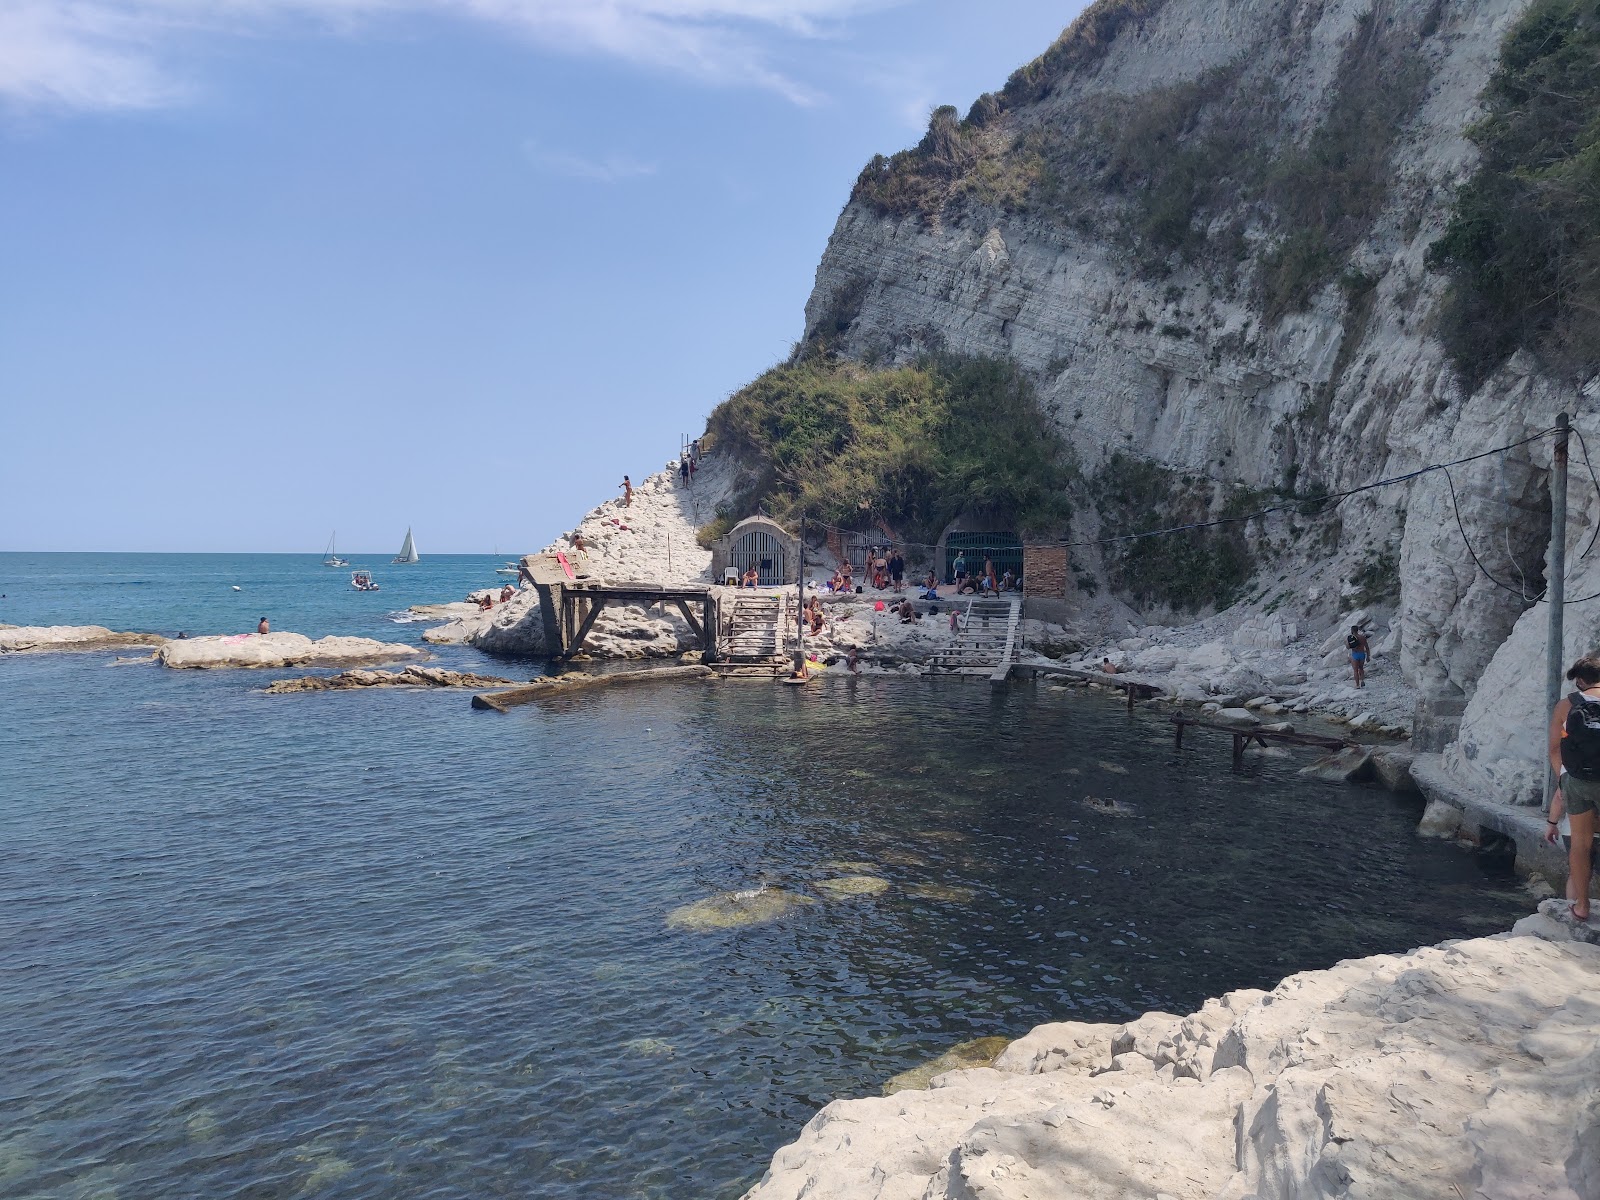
<point>583,630</point>
<point>699,630</point>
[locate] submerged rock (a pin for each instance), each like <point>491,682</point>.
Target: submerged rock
<point>414,676</point>
<point>734,910</point>
<point>980,1052</point>
<point>847,887</point>
<point>278,650</point>
<point>945,893</point>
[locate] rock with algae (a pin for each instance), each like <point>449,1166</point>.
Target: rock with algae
<point>980,1052</point>
<point>847,887</point>
<point>733,910</point>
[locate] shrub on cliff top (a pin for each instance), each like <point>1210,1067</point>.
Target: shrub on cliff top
<point>1523,244</point>
<point>911,446</point>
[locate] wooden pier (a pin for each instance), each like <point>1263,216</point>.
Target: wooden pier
<point>571,604</point>
<point>1244,735</point>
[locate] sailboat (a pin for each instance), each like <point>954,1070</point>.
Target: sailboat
<point>330,556</point>
<point>408,550</point>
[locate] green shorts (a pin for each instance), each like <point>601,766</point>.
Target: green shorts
<point>1581,795</point>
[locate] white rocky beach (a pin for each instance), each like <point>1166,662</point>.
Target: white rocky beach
<point>1468,1069</point>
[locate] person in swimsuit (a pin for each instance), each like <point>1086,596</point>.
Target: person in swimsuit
<point>627,492</point>
<point>1356,643</point>
<point>263,627</point>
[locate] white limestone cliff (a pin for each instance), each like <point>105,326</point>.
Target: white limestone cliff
<point>1178,366</point>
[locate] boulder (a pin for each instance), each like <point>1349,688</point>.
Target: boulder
<point>1393,769</point>
<point>278,650</point>
<point>413,676</point>
<point>1440,820</point>
<point>1235,716</point>
<point>17,638</point>
<point>1350,765</point>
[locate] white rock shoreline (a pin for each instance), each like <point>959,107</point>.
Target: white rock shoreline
<point>1467,1069</point>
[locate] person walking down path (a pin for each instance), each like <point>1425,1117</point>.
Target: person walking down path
<point>1575,757</point>
<point>627,492</point>
<point>1360,650</point>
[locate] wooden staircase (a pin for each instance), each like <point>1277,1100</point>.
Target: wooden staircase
<point>986,642</point>
<point>757,629</point>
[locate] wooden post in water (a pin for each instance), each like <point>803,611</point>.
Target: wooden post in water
<point>800,600</point>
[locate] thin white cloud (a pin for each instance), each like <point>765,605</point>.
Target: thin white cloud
<point>116,54</point>
<point>612,168</point>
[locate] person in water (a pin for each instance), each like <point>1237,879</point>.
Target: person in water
<point>1360,650</point>
<point>1574,748</point>
<point>263,627</point>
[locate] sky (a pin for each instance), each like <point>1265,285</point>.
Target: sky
<point>275,268</point>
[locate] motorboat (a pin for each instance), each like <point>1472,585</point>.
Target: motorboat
<point>511,568</point>
<point>362,581</point>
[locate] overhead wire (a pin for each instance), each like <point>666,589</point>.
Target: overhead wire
<point>1314,506</point>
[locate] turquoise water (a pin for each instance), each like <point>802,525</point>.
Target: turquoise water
<point>193,593</point>
<point>377,945</point>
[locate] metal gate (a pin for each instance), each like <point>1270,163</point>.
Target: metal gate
<point>1005,549</point>
<point>763,552</point>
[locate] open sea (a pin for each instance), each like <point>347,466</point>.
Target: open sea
<point>380,945</point>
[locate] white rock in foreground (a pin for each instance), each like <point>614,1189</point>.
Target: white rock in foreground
<point>279,650</point>
<point>15,638</point>
<point>1466,1069</point>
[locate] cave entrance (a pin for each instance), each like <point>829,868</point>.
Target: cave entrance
<point>1004,549</point>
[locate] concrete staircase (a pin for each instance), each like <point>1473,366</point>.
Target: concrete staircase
<point>986,640</point>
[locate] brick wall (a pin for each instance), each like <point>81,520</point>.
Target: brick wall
<point>1044,570</point>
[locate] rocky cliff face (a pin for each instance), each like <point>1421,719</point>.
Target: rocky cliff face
<point>1202,227</point>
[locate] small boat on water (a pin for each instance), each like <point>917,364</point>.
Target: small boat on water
<point>408,550</point>
<point>362,581</point>
<point>510,568</point>
<point>330,556</point>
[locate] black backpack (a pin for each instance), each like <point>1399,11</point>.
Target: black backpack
<point>1352,641</point>
<point>1580,749</point>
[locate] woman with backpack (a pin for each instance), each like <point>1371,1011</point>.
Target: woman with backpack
<point>1575,758</point>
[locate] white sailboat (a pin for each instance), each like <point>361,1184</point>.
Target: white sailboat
<point>408,550</point>
<point>330,556</point>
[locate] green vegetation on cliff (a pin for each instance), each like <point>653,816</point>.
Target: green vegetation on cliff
<point>1523,245</point>
<point>1203,169</point>
<point>1187,571</point>
<point>913,447</point>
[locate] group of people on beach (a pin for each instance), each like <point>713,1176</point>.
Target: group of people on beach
<point>985,583</point>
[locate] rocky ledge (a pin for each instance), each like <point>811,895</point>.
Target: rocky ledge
<point>16,638</point>
<point>1466,1069</point>
<point>413,676</point>
<point>279,650</point>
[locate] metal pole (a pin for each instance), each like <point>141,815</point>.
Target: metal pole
<point>1556,581</point>
<point>800,600</point>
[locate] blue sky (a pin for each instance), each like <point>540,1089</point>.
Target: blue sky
<point>274,267</point>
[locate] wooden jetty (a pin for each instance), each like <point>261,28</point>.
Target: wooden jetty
<point>1244,735</point>
<point>571,605</point>
<point>560,685</point>
<point>1133,687</point>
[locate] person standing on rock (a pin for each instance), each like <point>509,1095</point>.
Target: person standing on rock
<point>1356,643</point>
<point>1575,758</point>
<point>627,492</point>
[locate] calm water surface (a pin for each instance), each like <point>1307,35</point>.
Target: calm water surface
<point>381,945</point>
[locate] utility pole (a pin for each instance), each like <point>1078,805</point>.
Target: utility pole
<point>1556,581</point>
<point>800,601</point>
